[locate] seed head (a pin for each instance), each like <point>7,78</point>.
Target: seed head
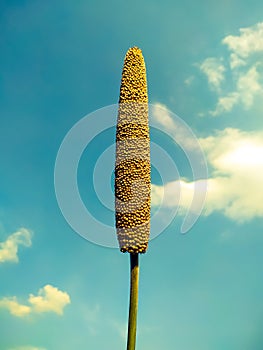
<point>132,167</point>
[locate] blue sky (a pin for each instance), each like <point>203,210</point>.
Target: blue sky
<point>61,61</point>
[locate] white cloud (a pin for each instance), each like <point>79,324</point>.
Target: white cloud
<point>174,190</point>
<point>49,299</point>
<point>236,61</point>
<point>174,126</point>
<point>248,42</point>
<point>235,187</point>
<point>9,248</point>
<point>214,70</point>
<point>162,116</point>
<point>244,72</point>
<point>248,88</point>
<point>14,307</point>
<point>226,103</point>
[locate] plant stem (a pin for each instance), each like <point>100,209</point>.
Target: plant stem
<point>134,285</point>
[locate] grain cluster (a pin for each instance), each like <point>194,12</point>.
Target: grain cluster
<point>132,168</point>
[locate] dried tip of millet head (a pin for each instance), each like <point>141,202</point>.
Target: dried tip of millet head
<point>133,82</point>
<point>134,49</point>
<point>132,172</point>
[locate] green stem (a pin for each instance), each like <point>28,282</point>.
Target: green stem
<point>134,285</point>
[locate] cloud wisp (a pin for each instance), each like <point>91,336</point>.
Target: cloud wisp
<point>48,299</point>
<point>248,88</point>
<point>243,68</point>
<point>9,248</point>
<point>214,70</point>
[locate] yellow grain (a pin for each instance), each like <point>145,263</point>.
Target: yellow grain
<point>132,168</point>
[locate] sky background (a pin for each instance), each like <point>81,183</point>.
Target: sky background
<point>61,60</point>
